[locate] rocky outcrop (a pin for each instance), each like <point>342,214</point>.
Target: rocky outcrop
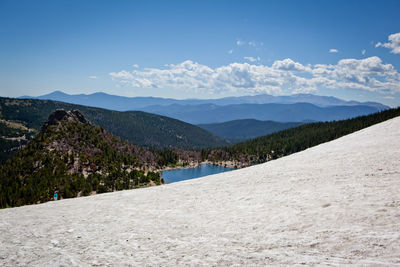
<point>64,115</point>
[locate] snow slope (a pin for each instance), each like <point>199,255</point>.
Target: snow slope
<point>337,203</point>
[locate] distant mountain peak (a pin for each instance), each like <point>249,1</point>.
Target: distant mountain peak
<point>58,92</point>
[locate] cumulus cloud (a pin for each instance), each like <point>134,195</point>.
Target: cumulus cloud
<point>135,66</point>
<point>230,52</point>
<point>93,77</point>
<point>288,65</point>
<point>124,75</point>
<point>363,52</point>
<point>365,74</point>
<point>393,44</point>
<point>283,76</point>
<point>333,50</point>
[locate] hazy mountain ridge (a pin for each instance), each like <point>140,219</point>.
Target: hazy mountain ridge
<point>241,130</point>
<point>297,112</point>
<point>205,111</point>
<point>121,103</point>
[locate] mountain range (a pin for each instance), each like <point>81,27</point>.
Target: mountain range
<point>121,103</point>
<point>292,108</point>
<point>297,112</point>
<point>74,157</point>
<point>240,130</point>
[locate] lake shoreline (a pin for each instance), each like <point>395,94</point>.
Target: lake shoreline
<point>232,165</point>
<point>203,169</point>
<point>195,164</point>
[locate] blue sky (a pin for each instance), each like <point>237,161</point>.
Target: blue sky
<point>203,49</point>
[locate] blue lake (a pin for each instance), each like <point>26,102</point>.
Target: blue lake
<point>173,176</point>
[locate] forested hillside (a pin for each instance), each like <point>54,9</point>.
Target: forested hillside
<point>293,140</point>
<point>72,157</point>
<point>140,128</point>
<point>13,136</point>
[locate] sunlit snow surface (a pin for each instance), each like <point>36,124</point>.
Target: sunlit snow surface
<point>337,203</point>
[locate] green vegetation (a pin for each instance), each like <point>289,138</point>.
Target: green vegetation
<point>140,128</point>
<point>13,136</point>
<point>8,148</point>
<point>73,159</point>
<point>293,140</point>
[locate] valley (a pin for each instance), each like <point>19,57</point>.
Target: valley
<point>140,128</point>
<point>73,156</point>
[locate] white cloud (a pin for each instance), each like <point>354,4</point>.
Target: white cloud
<point>252,43</point>
<point>93,77</point>
<point>388,97</point>
<point>122,75</point>
<point>333,50</point>
<point>283,76</point>
<point>368,74</point>
<point>288,65</point>
<point>393,44</point>
<point>251,59</point>
<point>230,52</point>
<point>135,66</point>
<point>363,52</point>
<point>239,43</point>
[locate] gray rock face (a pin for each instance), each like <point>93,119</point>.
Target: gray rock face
<point>59,115</point>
